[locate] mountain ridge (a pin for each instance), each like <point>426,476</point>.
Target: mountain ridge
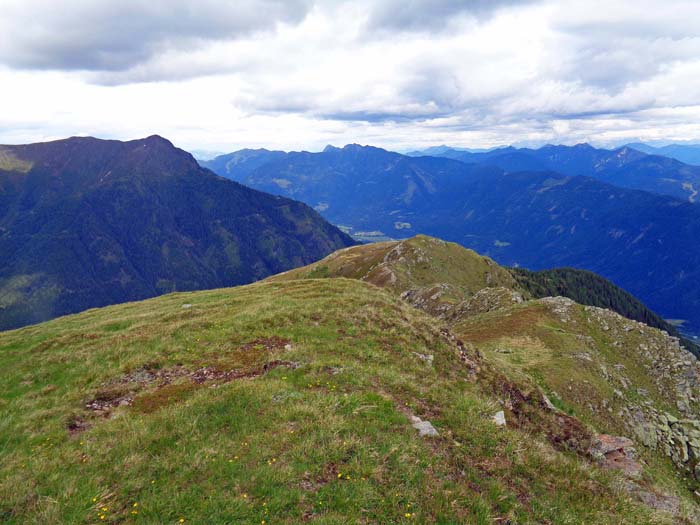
<point>536,219</point>
<point>337,400</point>
<point>623,166</point>
<point>94,222</point>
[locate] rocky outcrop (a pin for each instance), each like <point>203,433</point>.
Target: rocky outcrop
<point>486,300</point>
<point>665,416</point>
<point>430,299</point>
<point>678,439</point>
<point>617,453</point>
<point>655,384</point>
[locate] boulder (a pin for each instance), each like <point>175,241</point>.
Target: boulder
<point>615,452</point>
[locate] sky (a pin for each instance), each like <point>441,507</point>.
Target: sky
<point>216,76</point>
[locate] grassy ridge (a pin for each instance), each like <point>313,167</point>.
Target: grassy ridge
<point>591,289</point>
<point>310,424</point>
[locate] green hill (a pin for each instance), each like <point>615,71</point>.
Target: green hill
<point>313,400</point>
<point>591,289</point>
<point>437,276</point>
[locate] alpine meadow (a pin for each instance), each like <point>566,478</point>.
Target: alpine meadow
<point>342,262</point>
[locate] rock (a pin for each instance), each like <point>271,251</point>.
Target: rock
<point>500,418</point>
<point>548,403</point>
<point>424,428</point>
<point>663,502</point>
<point>187,305</point>
<point>617,453</point>
<point>646,434</point>
<point>428,358</point>
<point>605,443</point>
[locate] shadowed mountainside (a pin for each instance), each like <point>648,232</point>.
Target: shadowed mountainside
<point>87,222</point>
<point>643,242</point>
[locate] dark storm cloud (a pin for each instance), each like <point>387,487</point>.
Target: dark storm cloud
<point>107,35</point>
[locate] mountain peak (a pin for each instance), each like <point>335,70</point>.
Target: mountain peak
<point>354,147</point>
<point>157,139</point>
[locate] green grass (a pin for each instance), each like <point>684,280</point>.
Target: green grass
<point>530,343</point>
<point>418,263</point>
<point>9,162</point>
<point>325,441</point>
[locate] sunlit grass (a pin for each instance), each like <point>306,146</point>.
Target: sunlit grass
<point>327,441</point>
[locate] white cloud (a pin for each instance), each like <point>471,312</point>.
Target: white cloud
<point>467,73</point>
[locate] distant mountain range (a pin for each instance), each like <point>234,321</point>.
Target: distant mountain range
<point>644,242</point>
<point>240,163</point>
<point>626,166</point>
<point>87,222</point>
<point>444,151</point>
<point>688,153</point>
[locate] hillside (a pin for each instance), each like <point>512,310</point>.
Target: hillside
<point>87,222</point>
<point>536,220</point>
<point>448,280</point>
<point>240,163</point>
<point>429,273</point>
<point>286,402</point>
<point>590,289</point>
<point>613,374</point>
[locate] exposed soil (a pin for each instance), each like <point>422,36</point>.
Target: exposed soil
<point>167,385</point>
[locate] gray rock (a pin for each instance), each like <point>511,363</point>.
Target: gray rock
<point>500,418</point>
<point>663,502</point>
<point>424,428</point>
<point>428,358</point>
<point>548,403</point>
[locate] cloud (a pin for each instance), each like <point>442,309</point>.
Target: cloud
<point>107,35</point>
<point>297,74</point>
<point>431,15</point>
